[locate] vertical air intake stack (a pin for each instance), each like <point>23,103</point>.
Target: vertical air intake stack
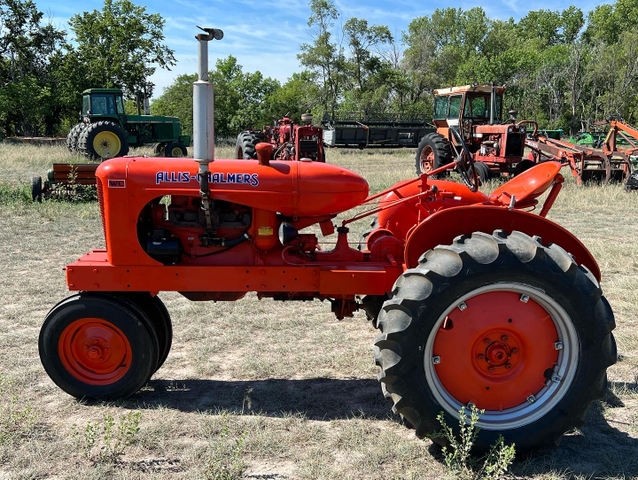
<point>203,118</point>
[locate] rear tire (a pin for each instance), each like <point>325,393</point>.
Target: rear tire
<point>502,322</point>
<point>433,152</point>
<point>245,145</point>
<point>98,346</point>
<point>103,140</point>
<point>73,137</point>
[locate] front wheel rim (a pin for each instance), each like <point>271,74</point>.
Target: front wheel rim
<point>95,351</point>
<point>177,152</point>
<point>515,370</point>
<point>107,144</point>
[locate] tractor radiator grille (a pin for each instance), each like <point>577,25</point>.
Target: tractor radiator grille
<point>308,146</point>
<point>515,146</point>
<point>100,199</point>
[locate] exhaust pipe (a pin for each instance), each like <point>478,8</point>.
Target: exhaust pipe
<point>204,118</point>
<point>203,94</point>
<point>492,104</point>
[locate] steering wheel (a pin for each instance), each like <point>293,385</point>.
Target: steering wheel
<point>464,161</point>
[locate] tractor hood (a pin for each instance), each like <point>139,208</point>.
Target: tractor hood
<point>299,189</point>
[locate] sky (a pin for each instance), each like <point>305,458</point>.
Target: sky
<point>265,35</point>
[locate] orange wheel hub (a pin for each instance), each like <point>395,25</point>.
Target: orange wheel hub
<point>496,350</point>
<point>95,351</point>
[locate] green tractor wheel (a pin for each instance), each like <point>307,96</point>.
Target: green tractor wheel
<point>102,140</point>
<point>158,149</point>
<point>176,150</point>
<point>73,137</point>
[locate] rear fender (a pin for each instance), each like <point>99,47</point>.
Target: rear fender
<point>442,227</point>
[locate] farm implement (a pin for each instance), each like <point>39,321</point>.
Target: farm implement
<point>365,132</point>
<point>477,300</point>
<point>608,162</point>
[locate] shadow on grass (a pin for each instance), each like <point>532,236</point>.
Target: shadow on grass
<point>315,399</point>
<point>597,450</point>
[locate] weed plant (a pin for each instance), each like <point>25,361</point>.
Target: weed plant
<point>106,441</point>
<point>458,454</point>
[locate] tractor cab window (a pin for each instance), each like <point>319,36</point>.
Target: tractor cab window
<point>455,107</point>
<point>477,107</point>
<point>103,105</point>
<point>86,104</point>
<point>447,107</point>
<point>120,105</point>
<point>498,111</point>
<point>440,108</point>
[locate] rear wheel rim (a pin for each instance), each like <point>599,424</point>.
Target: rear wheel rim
<point>426,159</point>
<point>507,348</point>
<point>95,351</point>
<point>107,144</point>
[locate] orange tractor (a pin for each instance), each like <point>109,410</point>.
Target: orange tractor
<point>477,300</point>
<point>289,141</point>
<point>470,119</point>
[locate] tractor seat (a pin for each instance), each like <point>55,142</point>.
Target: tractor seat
<point>526,187</point>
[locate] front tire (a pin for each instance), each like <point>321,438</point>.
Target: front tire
<point>157,313</point>
<point>175,150</point>
<point>98,346</point>
<point>483,172</point>
<point>502,322</point>
<point>36,189</point>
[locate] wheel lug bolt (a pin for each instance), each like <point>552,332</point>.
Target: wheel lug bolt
<point>481,356</point>
<point>514,350</point>
<point>505,338</point>
<point>487,340</point>
<point>491,369</point>
<point>508,366</point>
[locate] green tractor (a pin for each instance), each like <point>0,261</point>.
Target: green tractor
<point>106,131</point>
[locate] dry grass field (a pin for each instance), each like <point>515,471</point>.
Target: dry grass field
<point>263,389</point>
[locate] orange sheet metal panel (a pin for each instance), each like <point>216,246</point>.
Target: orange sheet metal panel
<point>94,272</point>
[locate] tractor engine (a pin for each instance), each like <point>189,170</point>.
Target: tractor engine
<point>175,233</point>
<point>499,143</point>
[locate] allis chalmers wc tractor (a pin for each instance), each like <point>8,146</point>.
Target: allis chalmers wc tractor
<point>470,118</point>
<point>289,141</point>
<point>477,300</point>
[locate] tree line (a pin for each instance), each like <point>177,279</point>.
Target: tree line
<point>43,73</point>
<point>565,69</point>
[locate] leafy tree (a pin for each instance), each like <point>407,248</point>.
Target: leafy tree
<point>299,95</point>
<point>177,100</point>
<point>120,46</point>
<point>323,57</point>
<point>242,100</point>
<point>28,104</point>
